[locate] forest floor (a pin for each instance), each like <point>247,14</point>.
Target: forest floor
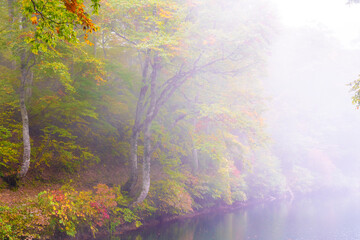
<point>52,179</point>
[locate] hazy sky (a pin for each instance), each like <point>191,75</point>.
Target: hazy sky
<point>336,16</point>
<point>308,77</point>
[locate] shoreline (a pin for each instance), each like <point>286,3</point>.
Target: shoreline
<point>131,228</point>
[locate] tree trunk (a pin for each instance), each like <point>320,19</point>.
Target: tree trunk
<point>11,10</point>
<point>103,44</point>
<point>195,159</point>
<point>150,115</point>
<point>25,120</point>
<point>129,186</point>
<point>23,93</point>
<point>194,151</point>
<point>289,192</point>
<point>95,45</point>
<point>28,86</point>
<point>146,165</point>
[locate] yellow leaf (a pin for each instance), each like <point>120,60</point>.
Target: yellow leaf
<point>88,42</point>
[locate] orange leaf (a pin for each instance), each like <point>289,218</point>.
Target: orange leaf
<point>34,20</point>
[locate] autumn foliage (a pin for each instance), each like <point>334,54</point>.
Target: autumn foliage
<point>181,76</point>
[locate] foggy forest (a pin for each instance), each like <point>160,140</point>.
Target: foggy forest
<point>117,115</point>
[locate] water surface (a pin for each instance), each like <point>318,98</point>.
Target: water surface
<point>321,218</point>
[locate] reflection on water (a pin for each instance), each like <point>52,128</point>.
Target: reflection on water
<point>303,219</point>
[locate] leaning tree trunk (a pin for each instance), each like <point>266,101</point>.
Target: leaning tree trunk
<point>25,121</point>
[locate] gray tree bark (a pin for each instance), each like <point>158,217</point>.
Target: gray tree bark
<point>24,94</point>
<point>150,115</point>
<point>195,158</point>
<point>195,151</point>
<point>145,186</point>
<point>24,116</point>
<point>131,183</point>
<point>103,44</point>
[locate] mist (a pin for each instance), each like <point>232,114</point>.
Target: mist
<point>117,114</point>
<point>311,117</point>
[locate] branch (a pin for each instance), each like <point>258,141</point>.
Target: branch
<point>43,16</point>
<point>123,37</point>
<point>181,117</point>
<point>186,98</point>
<point>33,64</point>
<point>173,83</point>
<point>141,104</point>
<point>169,81</point>
<point>157,145</point>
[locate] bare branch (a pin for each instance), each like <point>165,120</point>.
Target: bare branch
<point>123,37</point>
<point>157,145</point>
<point>33,64</point>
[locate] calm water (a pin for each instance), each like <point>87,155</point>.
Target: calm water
<point>303,219</point>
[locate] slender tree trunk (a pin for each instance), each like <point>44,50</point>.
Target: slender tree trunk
<point>24,94</point>
<point>11,10</point>
<point>95,45</point>
<point>195,157</point>
<point>28,86</point>
<point>103,44</point>
<point>131,183</point>
<point>11,22</point>
<point>195,151</point>
<point>146,164</point>
<point>25,119</point>
<point>288,192</point>
<point>150,115</point>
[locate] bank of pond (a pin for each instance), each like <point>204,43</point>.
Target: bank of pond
<point>105,213</point>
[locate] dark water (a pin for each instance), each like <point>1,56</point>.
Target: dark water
<point>303,219</point>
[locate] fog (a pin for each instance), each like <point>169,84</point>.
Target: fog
<point>314,57</point>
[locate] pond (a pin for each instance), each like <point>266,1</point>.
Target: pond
<point>321,218</point>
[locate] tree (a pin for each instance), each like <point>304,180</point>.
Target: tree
<point>165,34</point>
<point>51,22</point>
